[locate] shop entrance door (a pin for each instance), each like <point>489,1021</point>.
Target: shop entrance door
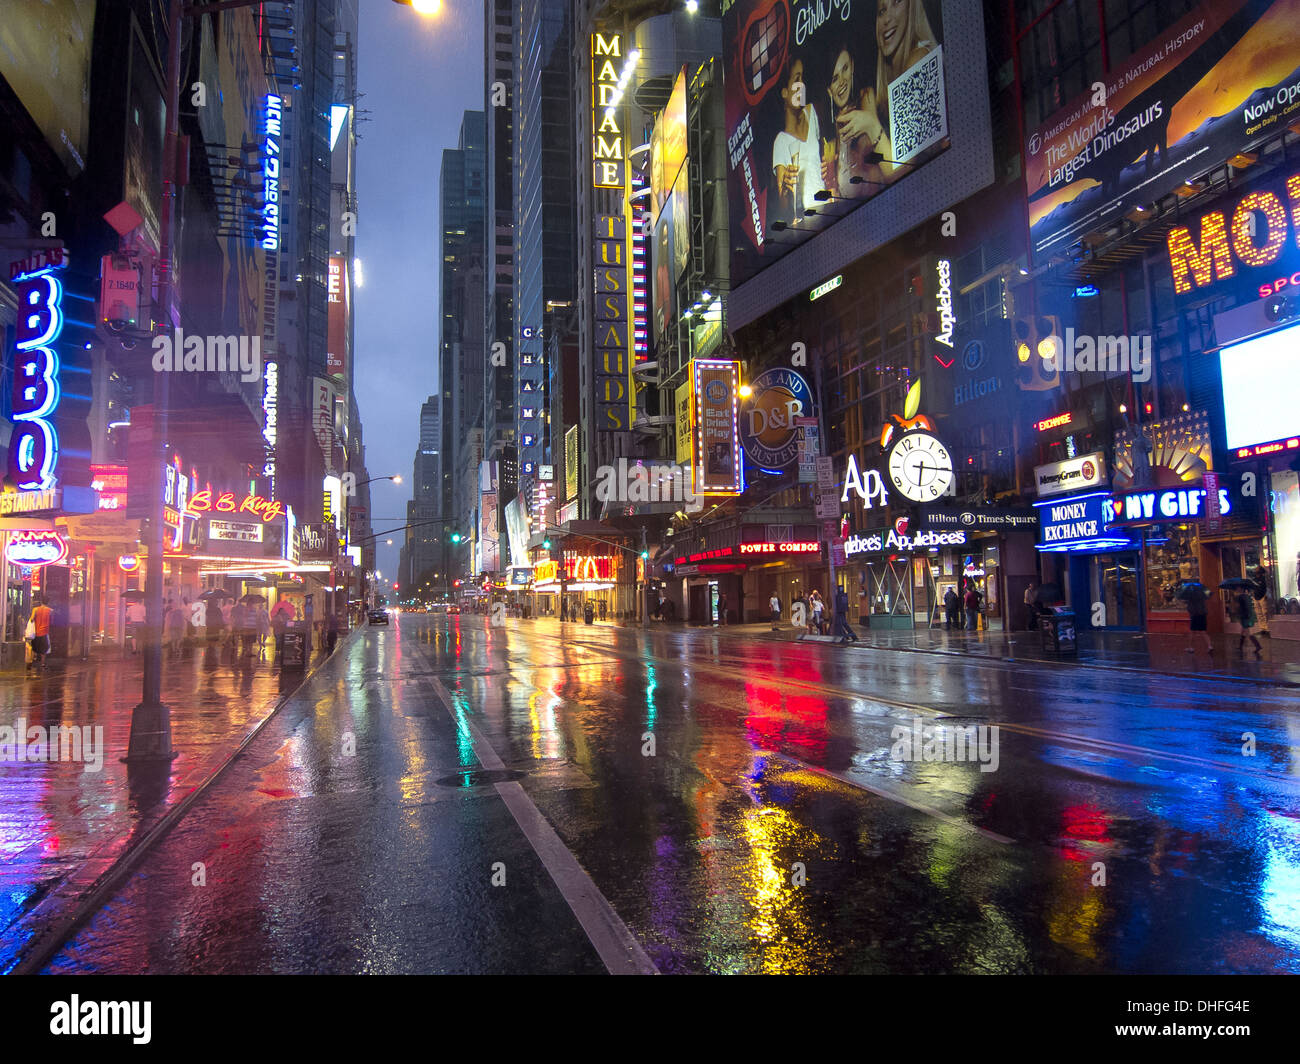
<point>1113,582</point>
<point>889,600</point>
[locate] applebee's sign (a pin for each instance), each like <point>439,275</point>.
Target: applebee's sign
<point>867,485</point>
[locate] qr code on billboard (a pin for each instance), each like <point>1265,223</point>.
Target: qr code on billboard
<point>918,116</point>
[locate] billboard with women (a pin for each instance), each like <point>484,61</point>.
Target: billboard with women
<point>828,104</point>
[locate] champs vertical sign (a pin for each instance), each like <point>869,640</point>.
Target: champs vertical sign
<point>607,85</point>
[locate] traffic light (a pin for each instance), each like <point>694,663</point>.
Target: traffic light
<point>645,555</point>
<point>1037,341</point>
<point>455,537</point>
<point>546,543</point>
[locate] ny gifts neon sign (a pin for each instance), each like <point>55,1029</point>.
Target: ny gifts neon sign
<point>34,444</point>
<point>227,502</point>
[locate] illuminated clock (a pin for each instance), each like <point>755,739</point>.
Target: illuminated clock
<point>920,467</point>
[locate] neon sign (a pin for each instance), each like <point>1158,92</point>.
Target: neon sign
<point>781,548</point>
<point>1053,422</point>
<point>36,548</point>
<point>607,87</point>
<point>228,503</point>
<point>1152,506</point>
<point>128,563</point>
<point>271,174</point>
<point>1241,237</point>
<point>34,444</point>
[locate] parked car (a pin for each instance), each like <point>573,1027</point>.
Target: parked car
<point>377,616</point>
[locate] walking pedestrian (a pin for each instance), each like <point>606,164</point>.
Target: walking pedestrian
<point>263,630</point>
<point>174,627</point>
<point>774,604</point>
<point>1249,622</point>
<point>1195,598</point>
<point>134,618</point>
<point>39,625</point>
<point>332,633</point>
<point>818,611</point>
<point>972,603</point>
<point>840,625</point>
<point>238,626</point>
<point>1260,593</point>
<point>951,608</point>
<point>722,607</point>
<point>1031,606</point>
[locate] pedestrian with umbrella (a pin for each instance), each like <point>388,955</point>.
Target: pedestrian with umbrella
<point>214,622</point>
<point>1195,597</point>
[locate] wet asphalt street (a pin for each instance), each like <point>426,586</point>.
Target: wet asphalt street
<point>444,796</point>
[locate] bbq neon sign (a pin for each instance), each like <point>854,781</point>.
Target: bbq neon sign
<point>34,444</point>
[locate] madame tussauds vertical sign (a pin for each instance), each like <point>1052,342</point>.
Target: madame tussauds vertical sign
<point>612,330</point>
<point>607,85</point>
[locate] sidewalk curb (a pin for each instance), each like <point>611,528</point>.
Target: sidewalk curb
<point>1065,660</point>
<point>45,946</point>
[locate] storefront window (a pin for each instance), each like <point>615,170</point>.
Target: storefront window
<point>1172,557</point>
<point>1285,504</point>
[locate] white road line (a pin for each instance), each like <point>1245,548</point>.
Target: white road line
<point>618,949</point>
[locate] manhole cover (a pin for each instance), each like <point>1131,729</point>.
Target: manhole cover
<point>480,777</point>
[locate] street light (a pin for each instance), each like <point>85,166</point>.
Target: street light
<point>422,7</point>
<point>396,478</point>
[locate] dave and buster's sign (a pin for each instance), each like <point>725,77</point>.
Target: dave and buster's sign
<point>769,429</point>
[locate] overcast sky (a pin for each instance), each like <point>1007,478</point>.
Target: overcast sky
<point>418,75</point>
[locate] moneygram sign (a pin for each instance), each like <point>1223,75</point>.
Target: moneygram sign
<point>1057,478</point>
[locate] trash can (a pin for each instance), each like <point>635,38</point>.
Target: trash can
<point>588,614</point>
<point>1057,628</point>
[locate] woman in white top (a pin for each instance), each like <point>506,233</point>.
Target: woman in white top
<point>796,159</point>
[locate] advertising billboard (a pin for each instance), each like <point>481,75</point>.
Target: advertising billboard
<point>1256,411</point>
<point>718,469</point>
<point>825,105</point>
<point>45,58</point>
<point>336,337</point>
<point>1205,88</point>
<point>668,147</point>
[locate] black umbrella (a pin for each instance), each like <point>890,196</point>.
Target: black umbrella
<point>215,593</point>
<point>253,598</point>
<point>132,596</point>
<point>1238,581</point>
